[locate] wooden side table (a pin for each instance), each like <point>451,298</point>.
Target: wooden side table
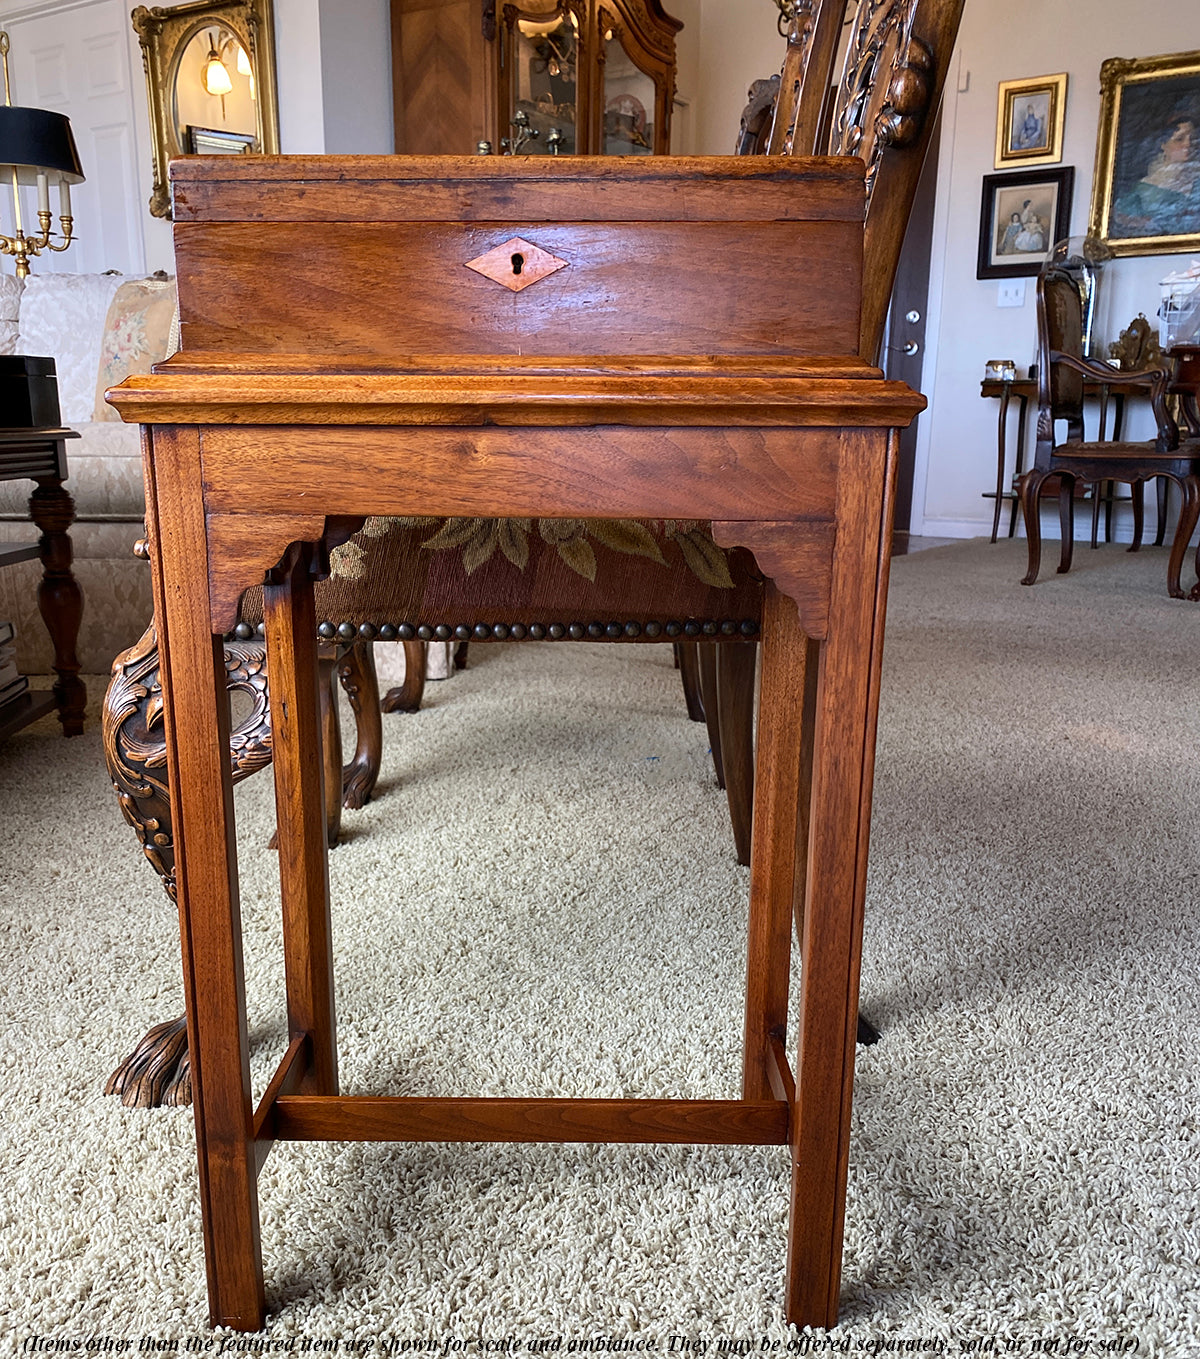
<point>40,455</point>
<point>728,393</point>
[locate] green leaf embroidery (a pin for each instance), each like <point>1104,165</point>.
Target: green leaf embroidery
<point>578,555</point>
<point>481,545</point>
<point>704,558</point>
<point>454,533</point>
<point>514,541</point>
<point>627,536</point>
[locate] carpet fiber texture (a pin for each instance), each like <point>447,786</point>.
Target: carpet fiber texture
<point>543,899</point>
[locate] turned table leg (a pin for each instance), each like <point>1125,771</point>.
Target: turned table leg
<point>60,599</point>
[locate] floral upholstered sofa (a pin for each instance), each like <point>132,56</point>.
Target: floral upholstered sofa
<point>98,328</point>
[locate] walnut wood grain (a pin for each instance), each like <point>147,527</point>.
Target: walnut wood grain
<point>797,561</point>
<point>386,189</point>
<point>639,400</point>
<point>369,1118</point>
<point>735,732</point>
<point>839,813</point>
<point>356,674</point>
<point>196,714</point>
<point>779,843</point>
<point>300,812</point>
<point>412,284</point>
<point>795,467</point>
<point>804,83</point>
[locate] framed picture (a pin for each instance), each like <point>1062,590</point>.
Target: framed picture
<point>211,141</point>
<point>1022,217</point>
<point>1029,121</point>
<point>1146,190</point>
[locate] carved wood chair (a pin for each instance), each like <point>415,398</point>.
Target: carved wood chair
<point>884,110</point>
<point>1062,371</point>
<point>599,580</point>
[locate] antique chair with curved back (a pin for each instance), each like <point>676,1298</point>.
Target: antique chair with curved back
<point>601,580</point>
<point>1063,368</point>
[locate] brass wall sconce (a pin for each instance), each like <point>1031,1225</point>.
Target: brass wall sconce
<point>187,52</point>
<point>37,149</point>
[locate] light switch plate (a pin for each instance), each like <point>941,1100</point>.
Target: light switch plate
<point>1011,293</point>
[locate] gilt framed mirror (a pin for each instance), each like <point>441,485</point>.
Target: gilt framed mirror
<point>210,82</point>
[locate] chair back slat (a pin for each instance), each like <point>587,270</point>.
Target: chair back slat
<point>884,111</point>
<point>1060,331</point>
<point>804,84</point>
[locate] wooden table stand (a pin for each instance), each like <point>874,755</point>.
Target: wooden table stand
<point>257,463</point>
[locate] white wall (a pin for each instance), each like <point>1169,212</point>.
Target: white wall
<point>956,447</point>
<point>356,76</point>
<point>739,43</point>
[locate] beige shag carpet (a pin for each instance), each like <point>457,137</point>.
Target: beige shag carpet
<point>543,899</point>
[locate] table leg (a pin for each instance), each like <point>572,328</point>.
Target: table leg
<point>60,599</point>
<point>1001,454</point>
<point>1019,466</point>
<point>846,705</point>
<point>778,848</point>
<point>192,672</point>
<point>296,721</point>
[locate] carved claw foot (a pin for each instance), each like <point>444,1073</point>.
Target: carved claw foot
<point>157,1072</point>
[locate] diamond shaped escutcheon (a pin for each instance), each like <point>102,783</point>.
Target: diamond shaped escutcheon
<point>516,264</point>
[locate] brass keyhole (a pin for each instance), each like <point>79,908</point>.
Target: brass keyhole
<point>518,263</point>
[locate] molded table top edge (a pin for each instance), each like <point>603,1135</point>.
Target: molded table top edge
<point>223,398</point>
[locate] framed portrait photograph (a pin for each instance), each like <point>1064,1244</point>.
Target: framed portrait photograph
<point>212,141</point>
<point>1021,218</point>
<point>1146,190</point>
<point>1029,121</point>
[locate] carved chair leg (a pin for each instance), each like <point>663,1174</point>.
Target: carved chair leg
<point>1030,495</point>
<point>735,663</point>
<point>331,744</point>
<point>1189,512</point>
<point>356,671</point>
<point>687,655</point>
<point>706,659</point>
<point>1066,520</point>
<point>406,697</point>
<point>157,1071</point>
<point>1161,486</point>
<point>1138,495</point>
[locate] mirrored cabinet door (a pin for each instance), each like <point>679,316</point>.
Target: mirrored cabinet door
<point>534,77</point>
<point>540,54</point>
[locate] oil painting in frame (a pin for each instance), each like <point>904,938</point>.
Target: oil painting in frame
<point>1029,121</point>
<point>1146,189</point>
<point>1021,218</point>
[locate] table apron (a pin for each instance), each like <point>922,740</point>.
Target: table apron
<point>601,472</point>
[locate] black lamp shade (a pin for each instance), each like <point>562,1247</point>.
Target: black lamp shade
<point>36,141</point>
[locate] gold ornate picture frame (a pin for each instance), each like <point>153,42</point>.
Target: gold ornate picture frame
<point>239,33</point>
<point>1146,188</point>
<point>1030,115</point>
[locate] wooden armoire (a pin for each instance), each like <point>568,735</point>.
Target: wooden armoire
<point>543,77</point>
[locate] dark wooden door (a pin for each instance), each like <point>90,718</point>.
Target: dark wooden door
<point>904,342</point>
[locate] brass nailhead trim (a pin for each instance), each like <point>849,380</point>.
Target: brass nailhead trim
<point>487,632</point>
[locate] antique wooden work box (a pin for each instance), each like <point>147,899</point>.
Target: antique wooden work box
<point>557,338</point>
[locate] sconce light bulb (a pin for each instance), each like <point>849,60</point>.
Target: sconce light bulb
<point>243,62</point>
<point>216,77</point>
